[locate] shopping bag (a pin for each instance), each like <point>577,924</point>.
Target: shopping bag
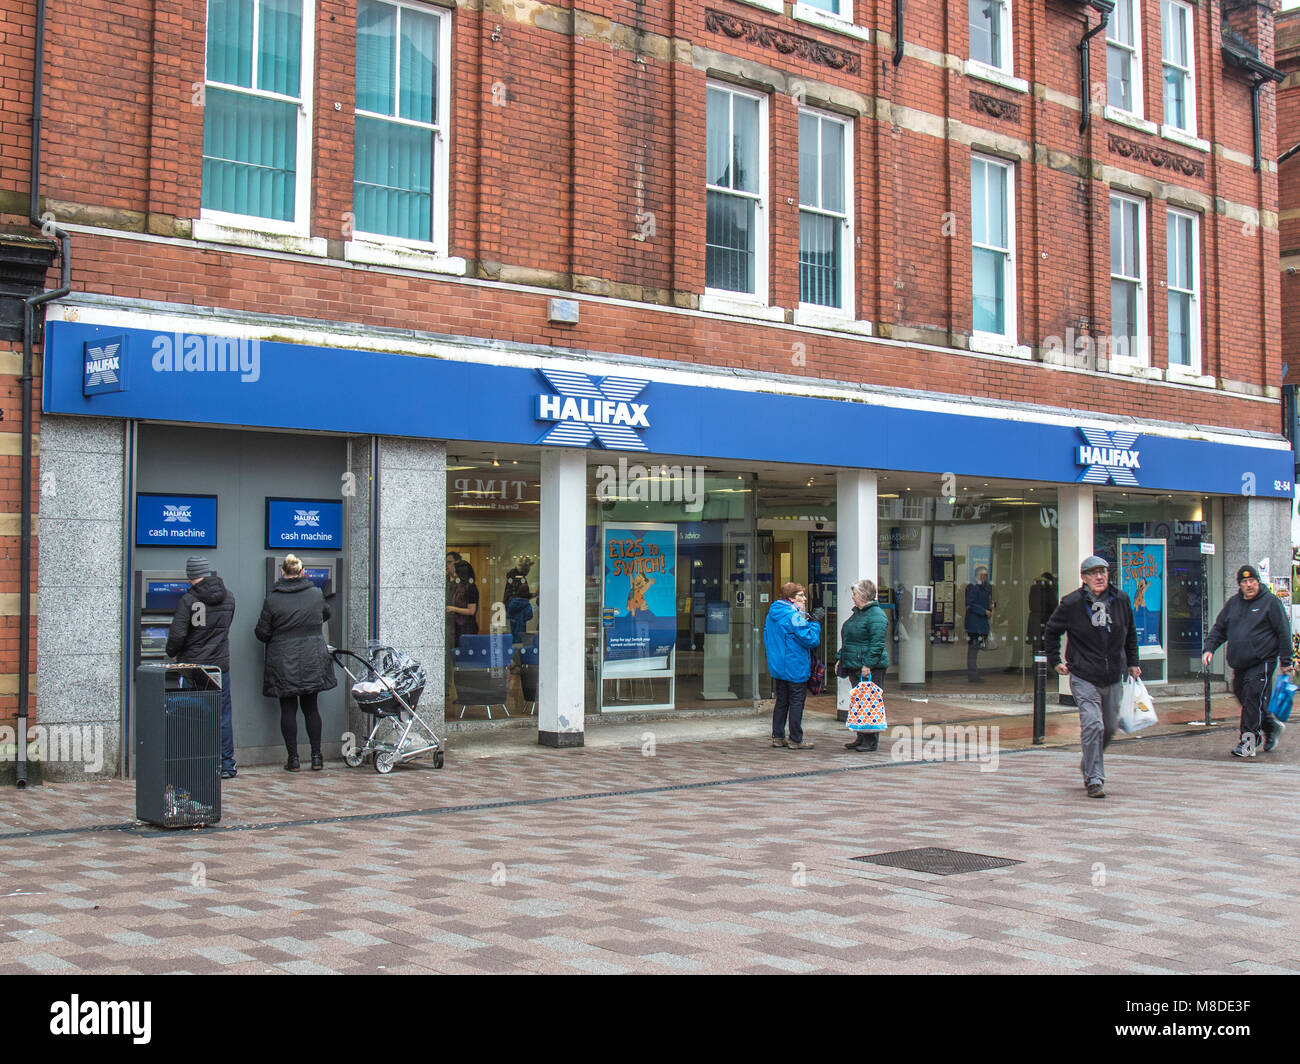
<point>1136,709</point>
<point>1279,703</point>
<point>867,707</point>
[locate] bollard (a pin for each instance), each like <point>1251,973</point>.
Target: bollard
<point>1040,698</point>
<point>1205,678</point>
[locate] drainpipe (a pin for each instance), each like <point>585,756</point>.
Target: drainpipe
<point>898,32</point>
<point>29,338</point>
<point>1085,62</point>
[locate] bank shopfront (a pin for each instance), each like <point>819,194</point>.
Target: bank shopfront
<point>556,537</point>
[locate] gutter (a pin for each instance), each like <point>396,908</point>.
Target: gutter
<point>48,228</point>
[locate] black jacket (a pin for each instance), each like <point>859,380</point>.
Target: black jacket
<point>1094,654</point>
<point>1256,630</point>
<point>207,643</point>
<point>297,659</point>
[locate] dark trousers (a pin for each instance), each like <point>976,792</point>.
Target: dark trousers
<point>1253,687</point>
<point>789,705</point>
<point>289,721</point>
<point>972,656</point>
<point>227,725</point>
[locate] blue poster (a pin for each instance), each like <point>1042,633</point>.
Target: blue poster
<point>640,591</point>
<point>175,520</point>
<point>304,524</point>
<point>1142,578</point>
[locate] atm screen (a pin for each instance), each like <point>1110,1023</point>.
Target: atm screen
<point>164,594</point>
<point>318,576</point>
<point>153,640</point>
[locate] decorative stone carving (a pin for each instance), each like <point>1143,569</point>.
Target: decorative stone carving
<point>1156,156</point>
<point>782,41</point>
<point>993,107</point>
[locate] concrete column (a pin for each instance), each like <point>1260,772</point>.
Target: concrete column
<point>411,501</point>
<point>1255,529</point>
<point>856,550</point>
<point>914,628</point>
<point>1074,531</point>
<point>77,688</point>
<point>360,496</point>
<point>561,602</point>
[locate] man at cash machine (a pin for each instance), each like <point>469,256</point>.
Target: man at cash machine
<point>200,635</point>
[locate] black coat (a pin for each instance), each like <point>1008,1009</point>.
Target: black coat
<point>297,659</point>
<point>1256,630</point>
<point>1093,654</point>
<point>207,643</point>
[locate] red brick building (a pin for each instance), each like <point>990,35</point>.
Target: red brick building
<point>915,276</point>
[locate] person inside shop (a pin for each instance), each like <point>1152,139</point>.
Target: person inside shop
<point>463,608</point>
<point>1043,598</point>
<point>864,648</point>
<point>519,610</point>
<point>200,635</point>
<point>298,662</point>
<point>979,608</point>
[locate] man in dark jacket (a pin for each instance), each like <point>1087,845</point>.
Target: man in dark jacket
<point>200,635</point>
<point>1254,625</point>
<point>1098,618</point>
<point>979,608</point>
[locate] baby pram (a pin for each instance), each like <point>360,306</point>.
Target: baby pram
<point>389,688</point>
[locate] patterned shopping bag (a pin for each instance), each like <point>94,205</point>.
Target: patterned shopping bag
<point>867,707</point>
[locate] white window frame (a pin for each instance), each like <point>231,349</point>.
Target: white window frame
<point>301,224</point>
<point>1136,51</point>
<point>1189,73</point>
<point>847,307</point>
<point>440,204</point>
<point>1193,369</point>
<point>719,297</point>
<point>1139,353</point>
<point>1008,59</point>
<point>997,341</point>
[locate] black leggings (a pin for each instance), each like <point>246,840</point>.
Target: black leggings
<point>289,721</point>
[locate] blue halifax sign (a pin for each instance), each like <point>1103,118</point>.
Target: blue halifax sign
<point>175,520</point>
<point>429,398</point>
<point>102,368</point>
<point>304,524</point>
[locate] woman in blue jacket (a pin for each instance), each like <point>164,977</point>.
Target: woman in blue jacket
<point>788,637</point>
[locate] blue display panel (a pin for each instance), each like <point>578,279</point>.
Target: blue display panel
<point>175,520</point>
<point>164,595</point>
<point>304,524</point>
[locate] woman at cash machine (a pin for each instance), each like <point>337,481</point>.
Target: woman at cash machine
<point>298,663</point>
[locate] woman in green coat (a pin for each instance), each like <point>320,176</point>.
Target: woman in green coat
<point>864,644</point>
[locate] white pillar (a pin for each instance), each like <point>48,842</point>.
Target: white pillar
<point>1074,525</point>
<point>856,550</point>
<point>562,602</point>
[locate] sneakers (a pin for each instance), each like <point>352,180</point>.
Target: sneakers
<point>1245,748</point>
<point>801,746</point>
<point>778,741</point>
<point>1096,790</point>
<point>230,773</point>
<point>1271,738</point>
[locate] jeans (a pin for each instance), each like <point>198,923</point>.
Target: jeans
<point>1098,719</point>
<point>789,704</point>
<point>227,725</point>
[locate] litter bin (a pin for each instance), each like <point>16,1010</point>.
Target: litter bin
<point>178,745</point>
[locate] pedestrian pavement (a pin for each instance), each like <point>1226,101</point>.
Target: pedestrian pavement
<point>683,846</point>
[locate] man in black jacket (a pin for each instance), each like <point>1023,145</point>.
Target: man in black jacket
<point>200,635</point>
<point>1254,625</point>
<point>1098,618</point>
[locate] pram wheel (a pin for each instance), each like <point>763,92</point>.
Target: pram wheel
<point>384,763</point>
<point>354,759</point>
<point>437,759</point>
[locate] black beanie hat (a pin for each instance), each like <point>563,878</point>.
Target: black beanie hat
<point>1245,571</point>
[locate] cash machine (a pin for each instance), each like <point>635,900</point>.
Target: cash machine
<point>157,594</point>
<point>325,574</point>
